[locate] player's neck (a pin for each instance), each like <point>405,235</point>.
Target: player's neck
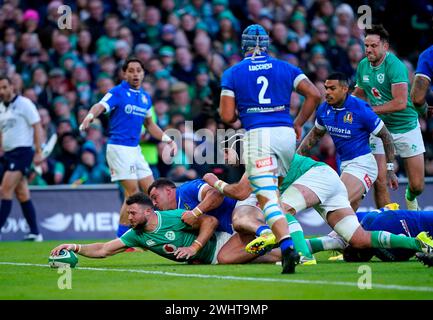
<point>152,223</point>
<point>340,104</point>
<point>7,102</point>
<point>379,62</point>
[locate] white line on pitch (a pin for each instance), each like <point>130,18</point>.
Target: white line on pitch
<point>235,278</point>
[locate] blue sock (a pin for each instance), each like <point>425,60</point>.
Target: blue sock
<point>30,215</point>
<point>121,230</point>
<point>261,229</point>
<point>5,210</point>
<point>286,243</point>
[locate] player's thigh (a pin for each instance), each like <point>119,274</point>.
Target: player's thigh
<point>414,167</point>
<point>122,162</point>
<point>409,144</point>
<point>364,168</point>
<point>22,191</point>
<point>233,251</point>
<point>9,182</point>
<point>346,224</point>
<point>355,188</point>
<point>129,186</point>
<point>283,144</point>
<point>143,170</point>
<point>145,182</point>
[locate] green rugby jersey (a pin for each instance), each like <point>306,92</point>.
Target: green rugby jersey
<point>376,83</point>
<point>170,234</point>
<point>298,167</point>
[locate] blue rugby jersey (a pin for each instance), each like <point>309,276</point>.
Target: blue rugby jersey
<point>262,88</point>
<point>349,126</point>
<point>188,197</point>
<point>425,64</point>
<point>127,108</point>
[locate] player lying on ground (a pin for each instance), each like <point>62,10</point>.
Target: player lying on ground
<point>164,233</point>
<point>314,184</point>
<point>402,222</point>
<point>244,217</point>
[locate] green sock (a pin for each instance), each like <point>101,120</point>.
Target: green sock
<point>326,243</point>
<point>297,235</point>
<point>411,195</point>
<point>316,245</point>
<point>385,239</point>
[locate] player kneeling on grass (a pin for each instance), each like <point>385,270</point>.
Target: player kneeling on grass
<point>164,233</point>
<point>310,183</point>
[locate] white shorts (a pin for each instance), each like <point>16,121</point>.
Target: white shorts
<point>127,163</point>
<point>406,144</point>
<point>267,149</point>
<point>250,201</point>
<point>328,187</point>
<point>222,238</point>
<point>363,167</point>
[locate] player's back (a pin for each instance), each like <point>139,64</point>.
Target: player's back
<point>188,196</point>
<point>262,87</point>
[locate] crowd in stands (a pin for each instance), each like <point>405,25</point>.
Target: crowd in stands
<point>185,46</point>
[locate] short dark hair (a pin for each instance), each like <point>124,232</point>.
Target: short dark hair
<point>132,59</point>
<point>161,182</point>
<point>379,30</point>
<point>341,77</point>
<point>140,198</point>
<point>5,78</point>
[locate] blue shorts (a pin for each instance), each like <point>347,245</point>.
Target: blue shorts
<point>19,159</point>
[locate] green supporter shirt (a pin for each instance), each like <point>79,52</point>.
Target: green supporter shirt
<point>170,234</point>
<point>298,167</point>
<point>377,82</point>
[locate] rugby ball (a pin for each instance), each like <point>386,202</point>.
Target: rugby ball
<point>64,259</point>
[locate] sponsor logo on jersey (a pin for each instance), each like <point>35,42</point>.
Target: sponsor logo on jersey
<point>170,235</point>
<point>365,78</point>
<point>348,117</point>
<point>150,243</point>
<point>376,93</point>
<point>368,181</point>
<point>380,77</point>
<point>341,132</point>
<point>266,109</point>
<point>135,110</point>
<point>169,248</point>
<point>257,67</point>
<point>128,109</point>
<point>264,162</point>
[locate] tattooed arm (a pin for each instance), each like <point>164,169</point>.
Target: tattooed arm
<point>388,146</point>
<point>420,87</point>
<point>310,140</point>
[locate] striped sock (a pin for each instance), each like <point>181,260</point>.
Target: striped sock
<point>297,235</point>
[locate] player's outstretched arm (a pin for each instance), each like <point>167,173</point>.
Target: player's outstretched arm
<point>312,100</point>
<point>310,140</point>
<point>388,146</point>
<point>94,112</point>
<point>238,191</point>
<point>94,250</point>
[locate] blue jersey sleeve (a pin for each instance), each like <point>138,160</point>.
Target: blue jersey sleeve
<point>111,99</point>
<point>191,190</point>
<point>425,63</point>
<point>370,119</point>
<point>297,75</point>
<point>227,80</point>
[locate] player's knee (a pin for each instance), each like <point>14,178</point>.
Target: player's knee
<point>347,228</point>
<point>417,186</point>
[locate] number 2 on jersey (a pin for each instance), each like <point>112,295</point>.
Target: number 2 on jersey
<point>262,99</point>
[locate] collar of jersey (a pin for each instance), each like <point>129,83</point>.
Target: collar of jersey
<point>11,102</point>
<point>159,222</point>
<point>343,107</point>
<point>377,67</point>
<point>262,55</point>
<point>126,85</point>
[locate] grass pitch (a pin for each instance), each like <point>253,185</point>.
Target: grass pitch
<point>24,274</point>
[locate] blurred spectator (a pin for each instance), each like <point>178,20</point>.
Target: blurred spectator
<point>88,170</point>
<point>181,100</point>
<point>337,54</point>
<point>183,69</point>
<point>69,155</point>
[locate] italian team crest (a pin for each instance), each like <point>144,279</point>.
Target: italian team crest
<point>144,99</point>
<point>380,77</point>
<point>348,117</point>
